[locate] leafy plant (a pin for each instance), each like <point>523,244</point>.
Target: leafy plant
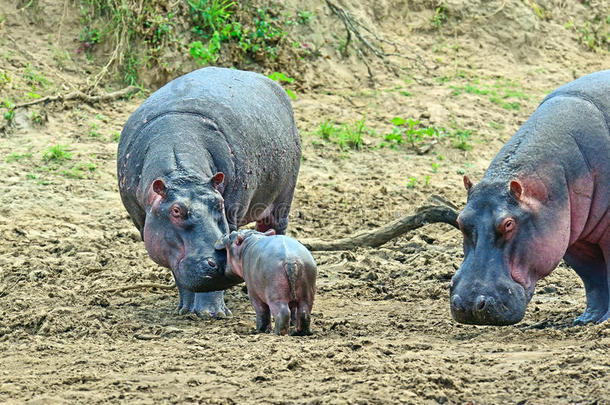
<point>346,136</point>
<point>281,77</point>
<point>440,16</point>
<point>460,139</point>
<point>57,153</point>
<point>412,183</point>
<point>409,131</point>
<point>304,16</point>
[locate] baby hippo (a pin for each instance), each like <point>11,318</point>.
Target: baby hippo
<point>280,274</point>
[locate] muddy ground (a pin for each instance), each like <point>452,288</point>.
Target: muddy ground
<point>383,332</point>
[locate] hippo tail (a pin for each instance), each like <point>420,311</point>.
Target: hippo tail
<point>292,272</point>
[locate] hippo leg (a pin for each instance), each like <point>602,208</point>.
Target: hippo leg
<point>281,316</point>
<point>277,219</point>
<point>588,262</point>
<point>303,320</point>
<point>263,316</point>
<point>211,304</point>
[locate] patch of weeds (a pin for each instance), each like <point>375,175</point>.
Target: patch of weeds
<point>412,183</point>
<point>93,132</point>
<point>304,16</point>
<point>346,136</point>
<point>281,77</point>
<point>116,136</point>
<point>326,130</point>
<point>440,16</point>
<point>408,131</point>
<point>10,113</point>
<point>406,93</point>
<point>434,167</point>
<point>37,118</point>
<point>31,176</point>
<point>15,157</point>
<point>495,125</point>
<point>426,181</point>
<point>35,79</point>
<point>4,79</point>
<point>460,139</point>
<point>57,153</point>
<point>79,170</point>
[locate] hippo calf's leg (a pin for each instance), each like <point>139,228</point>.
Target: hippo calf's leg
<point>303,321</point>
<point>263,316</point>
<point>281,316</point>
<point>211,304</point>
<point>588,262</point>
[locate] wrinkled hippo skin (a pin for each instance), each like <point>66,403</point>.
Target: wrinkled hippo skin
<point>208,152</point>
<point>545,196</point>
<point>280,274</point>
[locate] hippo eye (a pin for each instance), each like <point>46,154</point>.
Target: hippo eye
<point>211,263</point>
<point>176,211</point>
<point>507,226</point>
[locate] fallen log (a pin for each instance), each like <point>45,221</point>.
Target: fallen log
<point>436,210</point>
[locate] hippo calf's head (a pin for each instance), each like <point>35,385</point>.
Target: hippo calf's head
<point>511,240</point>
<point>234,245</point>
<point>184,219</point>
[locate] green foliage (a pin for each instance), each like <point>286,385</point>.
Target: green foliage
<point>434,167</point>
<point>304,16</point>
<point>116,136</point>
<point>281,77</point>
<point>35,79</point>
<point>15,157</point>
<point>460,139</point>
<point>10,106</point>
<point>79,170</point>
<point>4,79</point>
<point>215,22</point>
<point>57,153</point>
<point>440,16</point>
<point>408,131</point>
<point>503,92</point>
<point>412,183</point>
<point>346,136</point>
<point>93,132</point>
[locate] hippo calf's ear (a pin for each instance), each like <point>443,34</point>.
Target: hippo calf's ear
<point>158,187</point>
<point>218,181</point>
<point>467,183</point>
<point>221,243</point>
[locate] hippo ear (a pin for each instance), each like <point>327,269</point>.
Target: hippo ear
<point>467,184</point>
<point>239,239</point>
<point>516,189</point>
<point>221,243</point>
<point>270,232</point>
<point>218,181</point>
<point>158,187</point>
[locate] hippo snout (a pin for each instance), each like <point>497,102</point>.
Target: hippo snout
<point>503,303</point>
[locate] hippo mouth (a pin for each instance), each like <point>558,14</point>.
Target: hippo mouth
<point>485,311</point>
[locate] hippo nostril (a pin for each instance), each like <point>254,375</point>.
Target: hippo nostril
<point>456,303</point>
<point>480,302</point>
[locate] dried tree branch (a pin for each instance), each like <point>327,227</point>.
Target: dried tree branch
<point>439,211</point>
<point>79,95</point>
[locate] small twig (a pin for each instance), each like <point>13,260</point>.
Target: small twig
<point>139,287</point>
<point>440,211</point>
<point>79,95</point>
<point>6,289</point>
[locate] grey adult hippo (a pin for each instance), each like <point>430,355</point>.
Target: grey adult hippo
<point>208,152</point>
<point>545,196</point>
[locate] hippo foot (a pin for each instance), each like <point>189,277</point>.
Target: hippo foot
<point>204,305</point>
<point>590,316</point>
<point>604,318</point>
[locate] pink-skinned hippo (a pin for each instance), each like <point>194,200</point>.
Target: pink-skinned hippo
<point>280,274</point>
<point>210,151</point>
<point>545,196</point>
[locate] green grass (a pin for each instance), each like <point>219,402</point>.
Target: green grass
<point>346,136</point>
<point>15,157</point>
<point>408,131</point>
<point>57,153</point>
